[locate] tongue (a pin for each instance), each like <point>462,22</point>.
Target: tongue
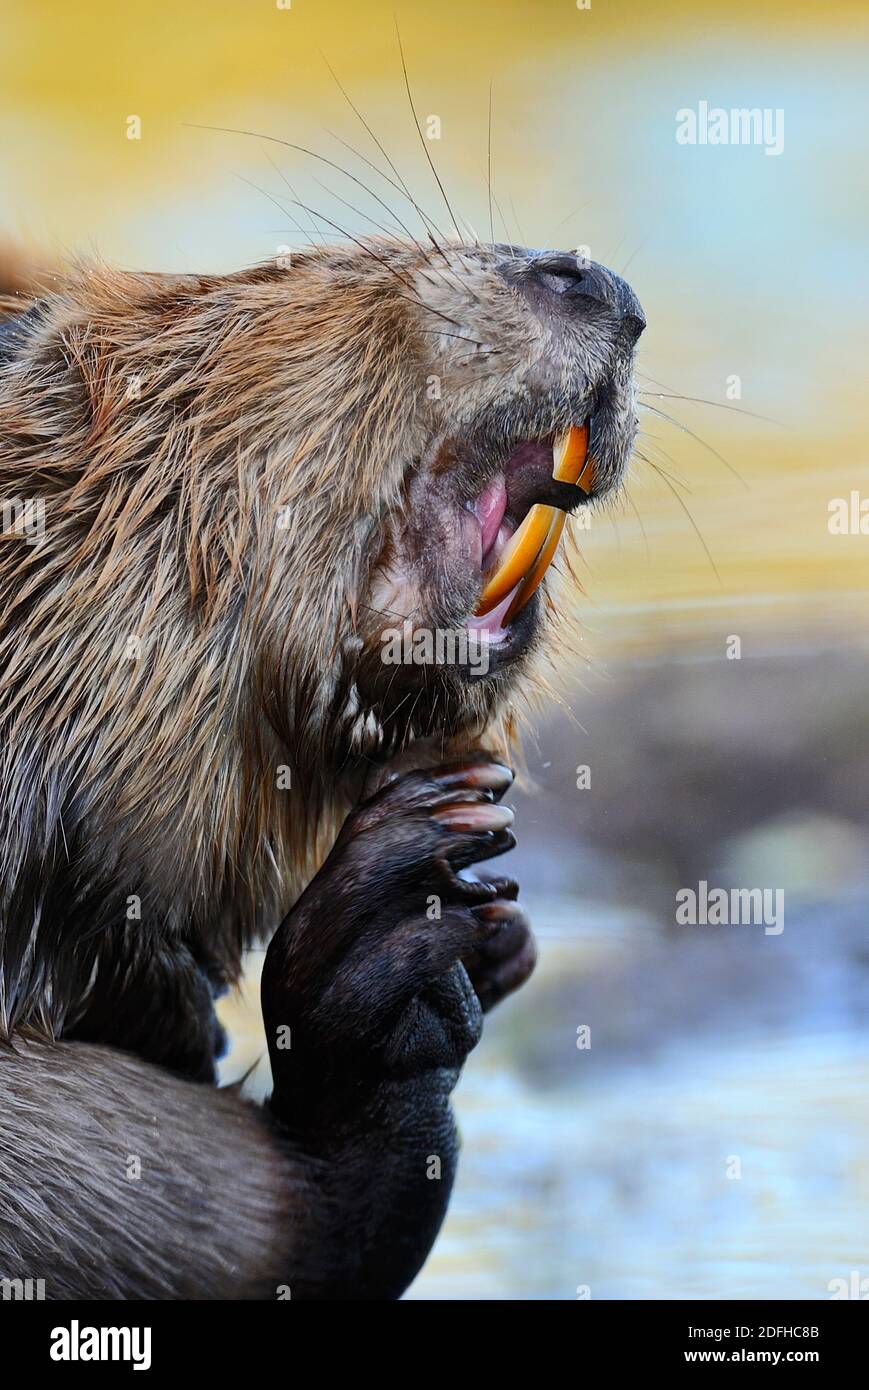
<point>489,510</point>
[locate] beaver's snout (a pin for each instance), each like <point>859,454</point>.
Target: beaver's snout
<point>567,286</point>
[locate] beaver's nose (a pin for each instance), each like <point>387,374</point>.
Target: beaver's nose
<point>577,286</point>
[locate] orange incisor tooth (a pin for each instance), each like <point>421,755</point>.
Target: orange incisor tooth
<point>519,556</point>
<point>571,463</point>
<point>528,553</point>
<point>541,565</point>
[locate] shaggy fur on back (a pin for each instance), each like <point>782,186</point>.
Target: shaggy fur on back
<point>169,646</point>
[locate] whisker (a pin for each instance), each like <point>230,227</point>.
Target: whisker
<point>506,228</point>
<point>687,511</point>
<point>489,171</point>
<point>387,231</point>
<point>674,478</point>
<point>412,298</point>
<point>699,440</point>
<point>302,149</point>
<point>420,134</point>
<point>403,185</point>
<point>633,256</point>
<point>618,246</point>
<point>423,216</point>
<point>637,514</point>
<point>516,220</point>
<point>293,194</point>
<point>461,337</point>
<point>718,405</point>
<point>570,217</point>
<point>462,289</point>
<point>388,612</point>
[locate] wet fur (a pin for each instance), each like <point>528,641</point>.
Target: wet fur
<point>220,459</point>
<point>226,462</point>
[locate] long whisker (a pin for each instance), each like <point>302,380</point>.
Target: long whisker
<point>489,170</point>
<point>293,194</point>
<point>506,228</point>
<point>687,511</point>
<point>362,246</point>
<point>387,231</point>
<point>516,220</point>
<point>401,186</point>
<point>632,257</point>
<point>564,221</point>
<point>461,337</point>
<point>611,259</point>
<point>718,405</point>
<point>674,478</point>
<point>446,278</point>
<point>424,217</point>
<point>699,440</point>
<point>637,514</point>
<point>302,149</point>
<point>420,134</point>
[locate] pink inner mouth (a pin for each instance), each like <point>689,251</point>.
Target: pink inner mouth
<point>524,486</point>
<point>490,623</point>
<point>489,510</point>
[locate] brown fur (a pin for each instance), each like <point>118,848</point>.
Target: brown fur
<point>177,1152</point>
<point>246,479</point>
<point>223,461</point>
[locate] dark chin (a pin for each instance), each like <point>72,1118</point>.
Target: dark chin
<point>455,700</point>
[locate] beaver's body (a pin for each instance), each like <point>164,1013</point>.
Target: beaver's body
<point>243,480</point>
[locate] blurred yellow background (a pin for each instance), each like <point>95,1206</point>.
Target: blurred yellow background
<point>747,265</point>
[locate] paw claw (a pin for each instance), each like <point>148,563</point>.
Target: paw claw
<point>481,776</point>
<point>469,816</point>
<point>503,962</point>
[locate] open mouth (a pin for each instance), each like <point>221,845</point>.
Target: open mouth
<point>521,514</point>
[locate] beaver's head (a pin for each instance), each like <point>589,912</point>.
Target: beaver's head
<point>439,386</point>
<point>277,510</point>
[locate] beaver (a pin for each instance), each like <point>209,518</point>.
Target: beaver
<point>221,494</point>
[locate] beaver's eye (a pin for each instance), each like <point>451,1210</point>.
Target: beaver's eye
<point>560,273</point>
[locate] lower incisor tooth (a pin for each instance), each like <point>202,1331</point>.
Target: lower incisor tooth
<point>519,557</point>
<point>541,565</point>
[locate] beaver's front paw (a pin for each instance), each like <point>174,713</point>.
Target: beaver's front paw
<point>364,976</point>
<point>504,960</point>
